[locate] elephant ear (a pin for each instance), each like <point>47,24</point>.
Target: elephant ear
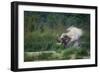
<point>70,28</point>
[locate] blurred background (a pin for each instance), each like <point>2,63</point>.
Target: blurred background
<point>41,30</point>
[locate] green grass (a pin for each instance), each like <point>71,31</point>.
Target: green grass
<point>46,41</point>
<point>66,54</point>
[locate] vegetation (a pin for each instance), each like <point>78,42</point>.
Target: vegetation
<point>40,34</point>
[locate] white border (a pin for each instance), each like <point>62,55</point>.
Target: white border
<point>22,64</point>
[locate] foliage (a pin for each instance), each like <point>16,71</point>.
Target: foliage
<point>41,30</point>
